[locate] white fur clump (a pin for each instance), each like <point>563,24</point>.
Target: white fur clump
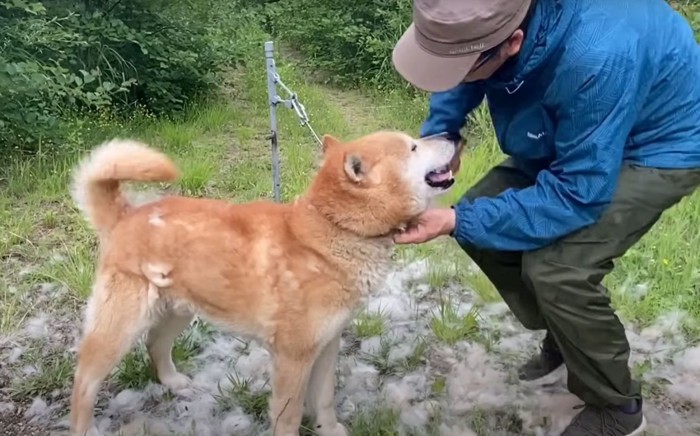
<point>38,409</point>
<point>476,382</point>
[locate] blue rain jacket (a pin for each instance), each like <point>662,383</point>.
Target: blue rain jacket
<point>598,83</point>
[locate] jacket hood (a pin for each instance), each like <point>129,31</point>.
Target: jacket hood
<point>547,29</point>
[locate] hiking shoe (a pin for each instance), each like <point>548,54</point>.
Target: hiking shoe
<point>542,364</point>
<point>598,421</point>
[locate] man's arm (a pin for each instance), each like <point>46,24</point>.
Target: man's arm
<point>449,109</point>
<point>599,98</point>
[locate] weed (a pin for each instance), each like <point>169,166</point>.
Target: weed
<point>449,327</point>
<point>484,423</point>
<point>386,364</point>
<point>481,286</point>
<point>440,273</point>
<point>54,372</point>
<point>416,358</point>
<point>239,393</point>
<point>135,370</point>
<point>368,325</point>
<point>196,174</point>
<point>12,313</point>
<point>176,137</point>
<point>74,269</point>
<point>380,359</point>
<point>376,422</point>
<point>438,386</point>
<point>18,227</point>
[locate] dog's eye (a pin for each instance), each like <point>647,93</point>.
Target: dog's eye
<point>414,147</point>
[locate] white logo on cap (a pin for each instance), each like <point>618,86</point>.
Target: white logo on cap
<point>468,49</point>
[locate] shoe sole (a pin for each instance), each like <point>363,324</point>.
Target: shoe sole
<point>640,430</point>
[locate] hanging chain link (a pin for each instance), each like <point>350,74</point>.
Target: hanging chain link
<point>294,103</point>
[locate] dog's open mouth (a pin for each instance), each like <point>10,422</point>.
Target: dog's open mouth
<point>440,178</point>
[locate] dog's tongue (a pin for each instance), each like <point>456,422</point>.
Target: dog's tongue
<point>441,176</point>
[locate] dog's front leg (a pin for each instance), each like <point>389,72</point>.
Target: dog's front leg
<point>290,379</point>
<point>321,392</point>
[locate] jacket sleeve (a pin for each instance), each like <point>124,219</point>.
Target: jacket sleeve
<point>597,102</point>
<point>449,109</point>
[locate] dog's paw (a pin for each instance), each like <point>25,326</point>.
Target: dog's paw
<point>336,430</point>
<point>176,381</point>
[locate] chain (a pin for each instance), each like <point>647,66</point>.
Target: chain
<point>294,103</point>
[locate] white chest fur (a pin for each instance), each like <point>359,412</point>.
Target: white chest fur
<point>367,261</point>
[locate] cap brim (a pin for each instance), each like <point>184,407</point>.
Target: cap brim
<point>427,71</point>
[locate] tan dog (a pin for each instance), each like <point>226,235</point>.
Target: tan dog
<point>288,275</point>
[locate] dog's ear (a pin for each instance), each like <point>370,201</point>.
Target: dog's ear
<point>329,141</point>
<point>355,168</point>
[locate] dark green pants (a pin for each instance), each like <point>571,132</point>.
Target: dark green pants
<point>558,287</point>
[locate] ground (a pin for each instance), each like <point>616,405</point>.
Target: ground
<point>434,352</point>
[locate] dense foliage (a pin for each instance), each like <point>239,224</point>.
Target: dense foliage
<point>349,40</point>
<point>60,58</point>
<point>353,40</point>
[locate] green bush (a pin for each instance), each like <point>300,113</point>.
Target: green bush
<point>62,58</point>
<point>350,40</point>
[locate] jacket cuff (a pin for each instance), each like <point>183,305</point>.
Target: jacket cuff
<point>459,232</point>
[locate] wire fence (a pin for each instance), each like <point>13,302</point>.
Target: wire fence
<point>291,102</point>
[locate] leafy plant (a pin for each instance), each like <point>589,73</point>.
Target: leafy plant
<point>64,59</point>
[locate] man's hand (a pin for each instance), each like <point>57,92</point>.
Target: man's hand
<point>428,226</point>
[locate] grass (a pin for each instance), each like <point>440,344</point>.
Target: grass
<point>54,371</point>
<point>239,393</point>
<point>450,327</point>
<point>368,325</point>
<point>222,152</point>
<point>481,285</point>
<point>379,422</point>
<point>74,269</point>
<point>484,423</point>
<point>196,175</point>
<point>386,364</point>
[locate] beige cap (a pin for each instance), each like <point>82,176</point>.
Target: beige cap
<point>447,36</point>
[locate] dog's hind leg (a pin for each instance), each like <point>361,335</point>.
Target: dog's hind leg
<point>116,316</point>
<point>321,391</point>
<point>159,342</point>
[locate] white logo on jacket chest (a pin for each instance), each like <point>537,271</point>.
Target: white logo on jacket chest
<point>536,135</point>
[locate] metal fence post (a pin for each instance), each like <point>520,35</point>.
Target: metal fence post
<point>273,100</point>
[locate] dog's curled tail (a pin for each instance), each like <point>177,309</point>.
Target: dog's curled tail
<point>96,179</point>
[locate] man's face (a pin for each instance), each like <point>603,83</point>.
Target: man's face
<point>482,70</point>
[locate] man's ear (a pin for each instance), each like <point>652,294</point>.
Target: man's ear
<point>329,141</point>
<point>515,43</point>
<point>355,168</point>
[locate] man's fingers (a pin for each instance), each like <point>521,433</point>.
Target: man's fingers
<point>403,238</point>
<point>409,237</point>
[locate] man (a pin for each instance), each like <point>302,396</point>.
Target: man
<point>597,103</point>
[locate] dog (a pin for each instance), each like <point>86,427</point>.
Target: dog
<point>290,276</point>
